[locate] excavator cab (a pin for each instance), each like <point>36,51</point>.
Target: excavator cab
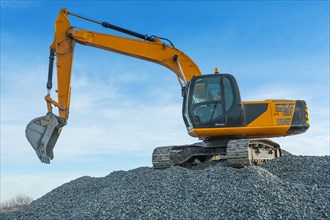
<point>212,107</point>
<point>212,101</point>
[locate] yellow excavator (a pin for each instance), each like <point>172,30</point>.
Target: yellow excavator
<point>212,108</point>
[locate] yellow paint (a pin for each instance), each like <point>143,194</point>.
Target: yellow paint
<point>266,125</point>
<point>64,42</point>
<point>241,132</point>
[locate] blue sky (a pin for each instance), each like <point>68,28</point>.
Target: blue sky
<point>122,108</point>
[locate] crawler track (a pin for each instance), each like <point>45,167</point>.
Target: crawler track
<point>238,153</point>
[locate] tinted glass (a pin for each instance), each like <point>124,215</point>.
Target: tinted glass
<point>207,89</point>
<point>206,99</point>
<point>228,92</point>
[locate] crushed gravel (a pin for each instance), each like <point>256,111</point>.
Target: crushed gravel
<point>290,187</point>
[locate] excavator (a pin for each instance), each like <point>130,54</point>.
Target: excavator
<point>228,128</point>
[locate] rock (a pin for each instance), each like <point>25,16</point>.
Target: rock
<point>290,187</point>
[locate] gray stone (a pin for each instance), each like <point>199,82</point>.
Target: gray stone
<point>290,187</point>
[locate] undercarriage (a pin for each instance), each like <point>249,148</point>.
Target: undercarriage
<point>238,153</point>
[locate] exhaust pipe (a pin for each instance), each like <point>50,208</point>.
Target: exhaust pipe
<point>42,133</point>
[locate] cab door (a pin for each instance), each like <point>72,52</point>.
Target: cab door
<point>214,101</point>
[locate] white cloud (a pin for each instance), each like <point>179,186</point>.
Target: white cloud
<point>119,129</point>
<point>106,126</point>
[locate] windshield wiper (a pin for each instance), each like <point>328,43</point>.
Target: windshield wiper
<point>216,102</point>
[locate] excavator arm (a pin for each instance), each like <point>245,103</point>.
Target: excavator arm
<point>43,132</point>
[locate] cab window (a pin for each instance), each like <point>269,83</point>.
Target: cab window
<point>206,90</point>
<point>207,99</point>
<point>228,93</point>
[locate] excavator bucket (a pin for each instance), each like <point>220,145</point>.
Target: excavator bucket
<point>42,133</point>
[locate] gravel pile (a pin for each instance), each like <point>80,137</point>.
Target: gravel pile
<point>290,187</point>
